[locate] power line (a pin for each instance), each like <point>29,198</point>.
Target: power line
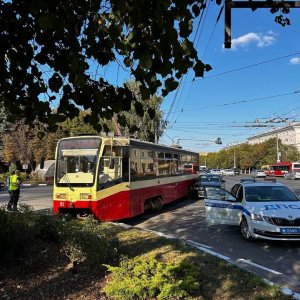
<point>248,66</point>
<point>227,72</point>
<point>189,90</point>
<point>242,101</point>
<point>213,31</point>
<point>181,79</point>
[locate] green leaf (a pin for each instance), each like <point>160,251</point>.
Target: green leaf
<point>40,134</point>
<point>146,61</point>
<point>139,108</point>
<point>144,92</point>
<point>208,67</point>
<point>52,120</point>
<point>151,112</point>
<point>196,9</point>
<point>55,82</point>
<point>46,22</point>
<point>171,84</point>
<point>184,28</point>
<point>199,69</point>
<point>188,48</point>
<point>133,129</point>
<point>80,80</point>
<point>98,127</point>
<point>128,62</point>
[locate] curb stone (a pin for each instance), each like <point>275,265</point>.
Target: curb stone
<point>35,184</point>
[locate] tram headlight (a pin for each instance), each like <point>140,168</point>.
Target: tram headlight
<point>61,196</point>
<point>85,196</point>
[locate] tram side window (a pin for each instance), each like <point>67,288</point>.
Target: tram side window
<point>134,163</point>
<point>142,164</point>
<point>167,164</point>
<point>110,168</point>
<point>184,161</point>
<point>147,164</point>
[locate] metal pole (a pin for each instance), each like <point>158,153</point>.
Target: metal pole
<point>234,161</point>
<point>277,148</point>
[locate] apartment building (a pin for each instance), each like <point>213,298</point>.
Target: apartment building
<point>289,135</point>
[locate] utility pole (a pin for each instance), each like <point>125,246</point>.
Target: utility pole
<point>117,126</point>
<point>277,149</point>
<point>234,159</point>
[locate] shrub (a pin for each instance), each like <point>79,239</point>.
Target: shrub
<point>145,277</point>
<point>48,228</point>
<point>15,233</point>
<point>83,241</point>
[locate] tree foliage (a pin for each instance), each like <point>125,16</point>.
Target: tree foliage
<point>145,119</point>
<point>50,52</point>
<point>250,156</point>
<point>27,144</point>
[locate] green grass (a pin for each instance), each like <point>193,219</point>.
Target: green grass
<point>109,250</point>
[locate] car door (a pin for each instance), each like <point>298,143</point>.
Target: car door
<point>221,207</point>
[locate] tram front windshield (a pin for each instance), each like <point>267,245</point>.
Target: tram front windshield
<point>77,161</point>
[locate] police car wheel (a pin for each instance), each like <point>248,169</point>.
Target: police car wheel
<point>245,231</point>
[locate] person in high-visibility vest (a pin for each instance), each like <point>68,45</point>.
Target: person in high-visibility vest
<point>14,189</point>
<point>8,182</point>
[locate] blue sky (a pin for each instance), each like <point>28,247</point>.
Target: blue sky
<point>255,81</point>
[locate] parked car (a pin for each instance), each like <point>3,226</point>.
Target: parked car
<point>259,173</point>
<point>2,185</point>
<point>216,171</point>
<point>236,171</point>
<point>292,175</point>
<point>266,210</point>
<point>229,172</point>
<point>197,190</point>
<point>248,179</point>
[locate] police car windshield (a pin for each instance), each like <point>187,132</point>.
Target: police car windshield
<point>269,193</point>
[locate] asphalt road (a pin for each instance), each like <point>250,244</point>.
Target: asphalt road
<point>278,262</point>
<point>39,197</point>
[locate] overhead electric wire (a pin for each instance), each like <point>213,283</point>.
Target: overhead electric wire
<point>241,101</point>
<point>196,43</point>
<point>213,31</point>
<point>235,70</point>
<point>248,66</point>
<point>248,128</point>
<point>181,79</point>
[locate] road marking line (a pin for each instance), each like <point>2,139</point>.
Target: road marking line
<point>213,253</point>
<point>258,266</point>
<point>198,244</point>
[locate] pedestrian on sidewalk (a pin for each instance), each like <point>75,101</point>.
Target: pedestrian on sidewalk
<point>14,191</point>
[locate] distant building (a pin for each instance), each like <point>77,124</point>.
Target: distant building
<point>289,135</point>
<point>47,173</point>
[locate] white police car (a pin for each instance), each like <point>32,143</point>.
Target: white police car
<point>266,210</point>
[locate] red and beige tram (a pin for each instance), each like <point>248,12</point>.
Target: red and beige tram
<point>115,178</point>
